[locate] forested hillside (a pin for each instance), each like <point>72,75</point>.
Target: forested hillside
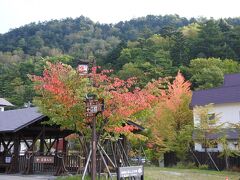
<point>148,48</point>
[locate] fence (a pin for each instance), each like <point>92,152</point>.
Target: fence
<point>170,159</point>
<point>71,163</point>
<point>204,158</point>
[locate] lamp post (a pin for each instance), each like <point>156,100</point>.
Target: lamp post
<point>93,107</point>
<point>91,111</point>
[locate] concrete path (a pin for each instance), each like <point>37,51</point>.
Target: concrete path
<point>26,177</point>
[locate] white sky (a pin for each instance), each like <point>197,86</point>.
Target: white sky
<point>15,13</point>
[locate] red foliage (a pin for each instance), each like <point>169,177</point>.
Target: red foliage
<point>51,82</point>
<point>122,99</point>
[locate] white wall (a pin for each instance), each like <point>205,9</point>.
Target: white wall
<point>228,113</point>
<point>231,145</point>
<point>198,147</point>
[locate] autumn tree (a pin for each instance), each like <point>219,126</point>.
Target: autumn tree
<point>171,120</point>
<point>61,96</point>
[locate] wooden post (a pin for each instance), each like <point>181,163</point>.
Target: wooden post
<point>57,144</point>
<point>65,143</point>
<point>42,141</point>
<point>16,152</point>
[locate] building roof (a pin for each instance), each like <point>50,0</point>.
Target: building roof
<point>137,126</point>
<point>14,120</point>
<point>231,80</point>
<point>231,134</point>
<point>229,92</point>
<point>4,102</point>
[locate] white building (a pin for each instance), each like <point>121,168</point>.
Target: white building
<point>226,104</point>
<point>4,103</point>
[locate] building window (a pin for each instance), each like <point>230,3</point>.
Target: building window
<point>235,143</point>
<point>211,116</point>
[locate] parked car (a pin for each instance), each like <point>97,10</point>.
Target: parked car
<point>138,160</point>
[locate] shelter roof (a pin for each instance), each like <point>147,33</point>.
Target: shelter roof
<point>139,127</point>
<point>15,120</point>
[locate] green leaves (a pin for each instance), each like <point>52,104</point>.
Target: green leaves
<point>208,73</point>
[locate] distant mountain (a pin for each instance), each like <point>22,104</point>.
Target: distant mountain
<point>147,48</point>
<point>83,36</point>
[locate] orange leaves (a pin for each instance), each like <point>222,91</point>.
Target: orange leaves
<point>125,129</point>
<point>176,91</point>
<point>53,82</point>
<point>171,111</point>
<point>62,86</point>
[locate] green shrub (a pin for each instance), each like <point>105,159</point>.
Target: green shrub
<point>185,165</point>
<point>203,167</point>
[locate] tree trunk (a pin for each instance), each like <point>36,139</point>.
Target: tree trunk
<point>226,162</point>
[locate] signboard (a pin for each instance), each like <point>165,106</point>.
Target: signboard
<point>130,171</point>
<point>93,107</point>
<point>8,159</point>
<point>43,159</point>
<point>83,69</point>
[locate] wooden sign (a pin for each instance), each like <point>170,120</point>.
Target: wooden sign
<point>130,171</point>
<point>44,159</point>
<point>93,107</point>
<point>8,159</point>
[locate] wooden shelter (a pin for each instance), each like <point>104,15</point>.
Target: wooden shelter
<point>28,145</point>
<point>26,142</point>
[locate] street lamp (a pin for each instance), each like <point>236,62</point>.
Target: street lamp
<point>91,111</point>
<point>93,107</point>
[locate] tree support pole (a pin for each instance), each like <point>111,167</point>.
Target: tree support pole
<point>86,166</point>
<point>212,161</point>
<point>94,149</point>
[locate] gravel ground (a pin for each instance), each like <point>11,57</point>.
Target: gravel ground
<point>25,177</point>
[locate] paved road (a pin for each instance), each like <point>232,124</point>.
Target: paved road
<point>26,177</point>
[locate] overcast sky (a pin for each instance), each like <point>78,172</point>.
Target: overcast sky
<point>15,13</point>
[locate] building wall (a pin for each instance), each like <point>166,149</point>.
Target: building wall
<point>233,145</point>
<point>227,113</point>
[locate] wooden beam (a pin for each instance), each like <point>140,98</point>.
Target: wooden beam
<point>51,145</point>
<point>35,140</point>
<point>5,146</point>
<point>25,141</point>
<point>46,145</point>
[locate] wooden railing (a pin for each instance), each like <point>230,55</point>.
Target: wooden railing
<point>70,163</point>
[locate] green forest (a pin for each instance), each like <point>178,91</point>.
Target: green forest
<point>147,48</point>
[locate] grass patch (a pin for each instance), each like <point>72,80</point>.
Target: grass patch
<point>156,173</point>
